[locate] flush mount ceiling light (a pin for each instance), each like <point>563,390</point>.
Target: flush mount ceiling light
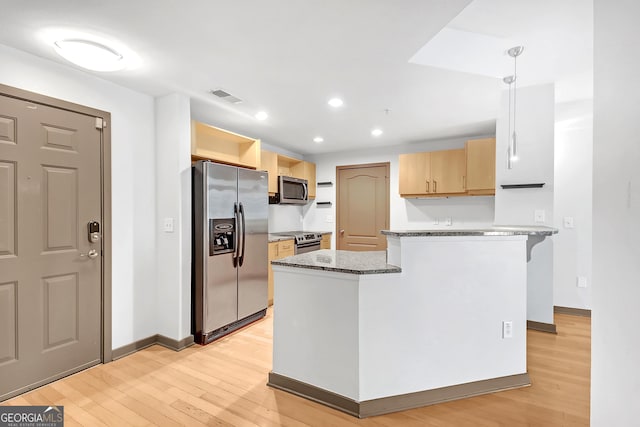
<point>318,139</point>
<point>512,146</point>
<point>261,115</point>
<point>90,54</point>
<point>336,102</point>
<point>376,132</point>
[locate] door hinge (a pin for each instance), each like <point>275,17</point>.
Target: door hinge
<point>100,123</point>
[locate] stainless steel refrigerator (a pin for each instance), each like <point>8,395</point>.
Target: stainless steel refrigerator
<point>230,246</point>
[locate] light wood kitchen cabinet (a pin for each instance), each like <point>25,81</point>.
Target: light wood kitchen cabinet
<point>277,250</point>
<point>448,170</point>
<point>415,174</point>
<point>434,173</point>
<point>325,243</point>
<point>211,143</point>
<point>481,166</point>
<point>278,164</point>
<point>306,170</point>
<point>269,163</point>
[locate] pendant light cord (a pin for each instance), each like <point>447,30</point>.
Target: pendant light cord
<point>515,92</point>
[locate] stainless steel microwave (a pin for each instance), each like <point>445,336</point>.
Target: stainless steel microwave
<point>292,190</point>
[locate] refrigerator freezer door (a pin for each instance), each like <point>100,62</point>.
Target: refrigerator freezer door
<point>220,293</point>
<point>253,194</point>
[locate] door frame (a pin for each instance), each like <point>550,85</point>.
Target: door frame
<point>387,165</point>
<point>105,182</point>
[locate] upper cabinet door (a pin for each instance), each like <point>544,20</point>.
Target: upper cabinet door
<point>415,174</point>
<point>448,170</point>
<point>481,166</point>
<point>269,163</point>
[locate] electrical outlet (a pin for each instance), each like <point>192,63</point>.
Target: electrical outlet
<point>581,282</point>
<point>168,225</point>
<point>539,215</point>
<point>436,221</point>
<point>328,218</point>
<point>567,221</point>
<point>448,221</point>
<point>507,329</point>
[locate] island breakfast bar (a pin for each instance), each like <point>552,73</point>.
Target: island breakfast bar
<point>440,315</point>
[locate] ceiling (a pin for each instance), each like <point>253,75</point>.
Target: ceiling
<point>417,69</point>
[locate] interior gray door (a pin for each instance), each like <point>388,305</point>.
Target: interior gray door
<point>253,278</point>
<point>50,281</point>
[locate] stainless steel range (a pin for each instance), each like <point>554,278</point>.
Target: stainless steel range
<point>305,241</point>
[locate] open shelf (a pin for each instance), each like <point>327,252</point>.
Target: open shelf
<point>515,186</point>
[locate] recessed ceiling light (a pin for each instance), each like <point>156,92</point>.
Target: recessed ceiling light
<point>376,132</point>
<point>90,54</point>
<point>318,139</point>
<point>261,115</point>
<point>336,102</point>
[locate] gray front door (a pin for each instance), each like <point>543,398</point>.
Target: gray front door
<point>50,282</point>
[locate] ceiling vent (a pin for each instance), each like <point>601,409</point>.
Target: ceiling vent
<point>226,96</point>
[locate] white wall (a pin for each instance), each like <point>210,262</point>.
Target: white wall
<point>285,218</point>
<point>615,377</point>
<point>572,247</point>
<point>535,136</point>
<point>404,213</point>
<point>173,195</point>
<point>133,189</point>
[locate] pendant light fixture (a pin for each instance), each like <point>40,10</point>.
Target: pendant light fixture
<point>512,147</point>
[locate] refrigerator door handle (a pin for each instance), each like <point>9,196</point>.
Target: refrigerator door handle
<point>236,236</point>
<point>243,235</point>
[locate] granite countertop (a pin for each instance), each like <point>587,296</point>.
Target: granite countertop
<point>498,230</point>
<point>341,261</point>
<point>278,237</point>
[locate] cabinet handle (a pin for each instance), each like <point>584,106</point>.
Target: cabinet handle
<point>427,184</point>
<point>464,182</point>
<point>435,186</point>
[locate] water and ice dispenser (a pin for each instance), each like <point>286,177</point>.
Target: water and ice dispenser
<point>222,236</point>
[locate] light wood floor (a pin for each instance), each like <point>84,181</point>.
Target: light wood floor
<point>224,384</point>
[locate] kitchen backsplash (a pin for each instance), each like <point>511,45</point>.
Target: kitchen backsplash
<point>285,218</point>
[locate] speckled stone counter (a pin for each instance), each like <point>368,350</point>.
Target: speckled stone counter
<point>278,238</point>
<point>489,231</point>
<point>287,235</point>
<point>342,262</point>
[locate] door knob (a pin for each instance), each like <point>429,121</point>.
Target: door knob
<point>91,254</point>
<point>341,231</point>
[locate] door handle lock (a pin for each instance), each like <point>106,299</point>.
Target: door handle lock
<point>91,254</point>
<point>93,230</point>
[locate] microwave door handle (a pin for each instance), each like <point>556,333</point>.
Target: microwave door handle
<point>306,192</point>
<point>236,238</point>
<point>241,260</point>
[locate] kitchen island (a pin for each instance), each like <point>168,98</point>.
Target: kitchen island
<point>441,315</point>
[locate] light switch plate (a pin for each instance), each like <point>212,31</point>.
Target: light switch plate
<point>448,221</point>
<point>328,218</point>
<point>581,282</point>
<point>567,221</point>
